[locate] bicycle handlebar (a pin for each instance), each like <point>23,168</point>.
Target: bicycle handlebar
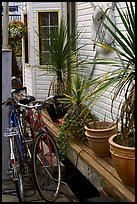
<point>37,103</point>
<point>30,106</point>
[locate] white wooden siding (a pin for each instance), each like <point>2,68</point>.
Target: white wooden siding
<point>37,79</point>
<point>84,19</point>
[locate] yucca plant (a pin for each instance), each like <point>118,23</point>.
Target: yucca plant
<point>62,60</point>
<point>123,75</point>
<point>79,104</point>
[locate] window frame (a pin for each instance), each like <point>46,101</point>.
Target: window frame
<point>37,30</point>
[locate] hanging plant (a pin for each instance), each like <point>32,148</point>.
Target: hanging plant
<point>17,30</point>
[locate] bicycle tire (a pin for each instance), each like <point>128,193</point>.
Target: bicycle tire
<point>19,187</point>
<point>18,174</point>
<point>48,176</point>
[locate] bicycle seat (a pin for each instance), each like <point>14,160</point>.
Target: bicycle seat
<point>26,99</point>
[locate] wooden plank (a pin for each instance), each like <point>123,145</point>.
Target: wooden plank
<point>101,160</point>
<point>84,168</point>
<point>116,185</point>
<point>106,188</point>
<point>97,164</point>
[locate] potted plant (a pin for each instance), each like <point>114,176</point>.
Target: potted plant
<point>98,133</point>
<point>62,59</point>
<point>122,144</point>
<point>79,113</point>
<point>62,63</point>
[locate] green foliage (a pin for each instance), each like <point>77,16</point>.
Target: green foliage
<point>78,113</point>
<point>123,75</point>
<point>17,30</point>
<point>72,125</point>
<point>62,59</point>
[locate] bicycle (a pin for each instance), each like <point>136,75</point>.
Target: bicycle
<point>36,149</point>
<point>13,133</point>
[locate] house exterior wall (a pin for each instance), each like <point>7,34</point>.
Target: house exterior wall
<point>85,11</point>
<point>36,78</point>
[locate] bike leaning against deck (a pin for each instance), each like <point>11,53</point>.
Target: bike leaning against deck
<point>32,147</point>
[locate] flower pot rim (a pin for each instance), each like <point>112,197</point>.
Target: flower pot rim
<point>111,142</point>
<point>101,130</point>
<point>97,137</point>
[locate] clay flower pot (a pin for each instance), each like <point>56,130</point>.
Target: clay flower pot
<point>98,133</point>
<point>124,161</point>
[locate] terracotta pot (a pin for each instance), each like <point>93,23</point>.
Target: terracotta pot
<point>124,161</point>
<point>98,135</point>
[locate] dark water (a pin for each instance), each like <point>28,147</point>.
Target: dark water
<point>80,186</point>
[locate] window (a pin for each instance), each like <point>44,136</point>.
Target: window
<point>48,22</point>
<point>12,9</point>
<point>26,41</point>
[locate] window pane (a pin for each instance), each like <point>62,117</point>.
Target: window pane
<point>44,45</point>
<point>44,58</point>
<point>54,30</point>
<point>45,32</point>
<point>54,18</point>
<point>44,19</point>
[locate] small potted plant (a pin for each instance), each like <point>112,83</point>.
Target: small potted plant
<point>98,133</point>
<point>79,113</point>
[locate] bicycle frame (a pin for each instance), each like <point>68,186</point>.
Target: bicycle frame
<point>16,124</point>
<point>12,132</point>
<point>38,123</point>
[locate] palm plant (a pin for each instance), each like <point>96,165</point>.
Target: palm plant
<point>123,78</point>
<point>62,59</point>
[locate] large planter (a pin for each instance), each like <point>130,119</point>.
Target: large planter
<point>124,161</point>
<point>98,135</point>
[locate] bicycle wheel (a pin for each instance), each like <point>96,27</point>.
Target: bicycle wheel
<point>17,173</point>
<point>19,187</point>
<point>46,165</point>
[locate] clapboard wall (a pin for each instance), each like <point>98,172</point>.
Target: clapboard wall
<point>36,78</point>
<point>85,11</point>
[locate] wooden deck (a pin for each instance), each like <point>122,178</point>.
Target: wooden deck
<point>99,171</point>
